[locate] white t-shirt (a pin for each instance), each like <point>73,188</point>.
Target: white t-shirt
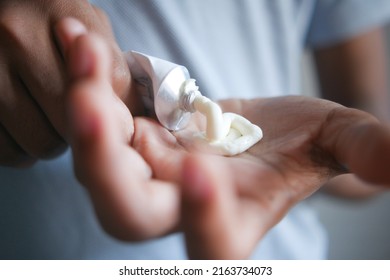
<point>247,48</point>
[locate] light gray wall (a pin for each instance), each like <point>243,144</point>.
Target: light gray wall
<point>356,229</point>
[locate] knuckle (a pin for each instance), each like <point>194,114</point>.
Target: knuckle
<point>12,29</point>
<point>21,26</point>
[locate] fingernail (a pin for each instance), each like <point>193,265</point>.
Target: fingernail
<point>75,27</point>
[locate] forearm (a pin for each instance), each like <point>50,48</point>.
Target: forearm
<point>354,74</point>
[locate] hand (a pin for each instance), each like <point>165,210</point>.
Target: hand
<point>230,203</point>
<point>33,75</point>
<point>142,178</point>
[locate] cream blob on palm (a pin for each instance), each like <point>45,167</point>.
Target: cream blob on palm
<point>168,92</point>
<point>226,134</point>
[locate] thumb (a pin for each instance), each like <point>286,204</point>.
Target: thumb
<point>91,99</point>
<point>67,30</point>
<point>360,142</point>
<point>90,59</point>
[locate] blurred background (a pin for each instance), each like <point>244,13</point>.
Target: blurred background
<point>356,229</point>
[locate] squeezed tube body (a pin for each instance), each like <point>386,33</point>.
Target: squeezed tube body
<point>161,88</point>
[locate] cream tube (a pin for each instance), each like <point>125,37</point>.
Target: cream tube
<point>162,82</point>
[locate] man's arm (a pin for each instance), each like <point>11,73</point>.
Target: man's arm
<point>354,73</point>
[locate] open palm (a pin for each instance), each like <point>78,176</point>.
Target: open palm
<point>229,203</point>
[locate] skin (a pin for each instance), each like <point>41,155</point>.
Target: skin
<point>146,182</point>
<point>34,84</point>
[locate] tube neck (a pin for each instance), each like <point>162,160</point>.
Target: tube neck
<point>189,91</point>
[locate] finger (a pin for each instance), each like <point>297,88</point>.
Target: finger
<point>360,142</point>
<point>20,117</point>
<point>129,204</point>
<point>39,66</point>
<point>228,205</point>
<point>160,149</point>
<point>350,186</point>
<point>66,31</point>
<point>209,210</point>
<point>90,63</point>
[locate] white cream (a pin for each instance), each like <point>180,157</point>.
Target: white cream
<point>226,134</point>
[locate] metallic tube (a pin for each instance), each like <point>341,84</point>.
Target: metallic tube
<point>161,88</point>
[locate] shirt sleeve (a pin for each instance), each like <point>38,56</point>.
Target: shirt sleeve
<point>334,21</point>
